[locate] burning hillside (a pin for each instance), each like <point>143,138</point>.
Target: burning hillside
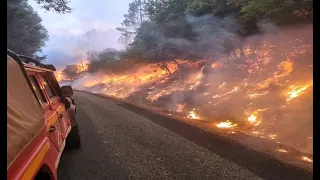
<point>76,69</point>
<point>263,88</point>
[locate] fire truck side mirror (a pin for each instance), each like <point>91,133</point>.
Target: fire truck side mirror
<point>67,91</point>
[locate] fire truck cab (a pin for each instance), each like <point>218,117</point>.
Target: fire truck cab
<point>40,119</point>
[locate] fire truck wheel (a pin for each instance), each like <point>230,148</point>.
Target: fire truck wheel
<point>73,140</point>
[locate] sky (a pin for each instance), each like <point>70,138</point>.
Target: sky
<point>90,26</point>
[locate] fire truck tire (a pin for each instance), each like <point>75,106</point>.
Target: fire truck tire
<point>73,140</point>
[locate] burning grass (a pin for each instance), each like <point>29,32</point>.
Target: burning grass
<point>262,89</point>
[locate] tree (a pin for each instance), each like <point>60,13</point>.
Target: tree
<point>126,36</point>
<point>154,7</point>
<point>133,19</point>
<point>92,55</point>
<point>59,6</point>
<point>101,59</point>
<point>109,54</point>
<point>25,34</point>
<point>280,12</point>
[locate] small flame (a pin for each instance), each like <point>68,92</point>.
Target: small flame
<point>255,132</point>
<point>284,69</point>
<point>282,150</point>
<point>295,91</point>
<point>180,107</point>
<point>305,158</point>
<point>272,136</point>
<point>216,65</point>
<point>226,124</point>
<point>235,89</point>
<point>255,95</point>
<point>232,132</point>
<point>221,85</point>
<point>193,115</point>
<point>252,118</point>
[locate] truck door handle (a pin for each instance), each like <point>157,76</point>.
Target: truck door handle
<point>52,128</point>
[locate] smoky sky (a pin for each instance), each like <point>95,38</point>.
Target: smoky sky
<point>64,50</point>
<point>90,26</point>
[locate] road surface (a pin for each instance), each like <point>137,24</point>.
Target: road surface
<point>121,141</point>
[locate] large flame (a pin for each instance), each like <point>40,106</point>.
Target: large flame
<point>59,75</point>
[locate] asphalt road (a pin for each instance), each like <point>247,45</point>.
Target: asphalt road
<point>121,141</point>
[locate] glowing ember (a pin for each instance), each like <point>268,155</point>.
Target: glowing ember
<point>180,107</point>
<point>255,95</point>
<point>252,118</point>
<point>282,150</point>
<point>305,158</point>
<point>221,85</point>
<point>272,136</point>
<point>232,132</point>
<point>235,89</point>
<point>216,65</point>
<point>226,124</point>
<point>193,115</point>
<point>295,91</point>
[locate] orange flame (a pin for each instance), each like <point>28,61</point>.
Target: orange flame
<point>296,91</point>
<point>82,66</point>
<point>59,75</point>
<point>226,124</point>
<point>252,116</point>
<point>282,150</point>
<point>192,114</point>
<point>305,158</point>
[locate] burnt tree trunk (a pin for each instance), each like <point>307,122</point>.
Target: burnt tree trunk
<point>164,66</point>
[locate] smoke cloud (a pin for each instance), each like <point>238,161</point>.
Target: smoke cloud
<point>70,49</point>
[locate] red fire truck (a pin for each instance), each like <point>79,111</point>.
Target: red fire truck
<point>40,119</point>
